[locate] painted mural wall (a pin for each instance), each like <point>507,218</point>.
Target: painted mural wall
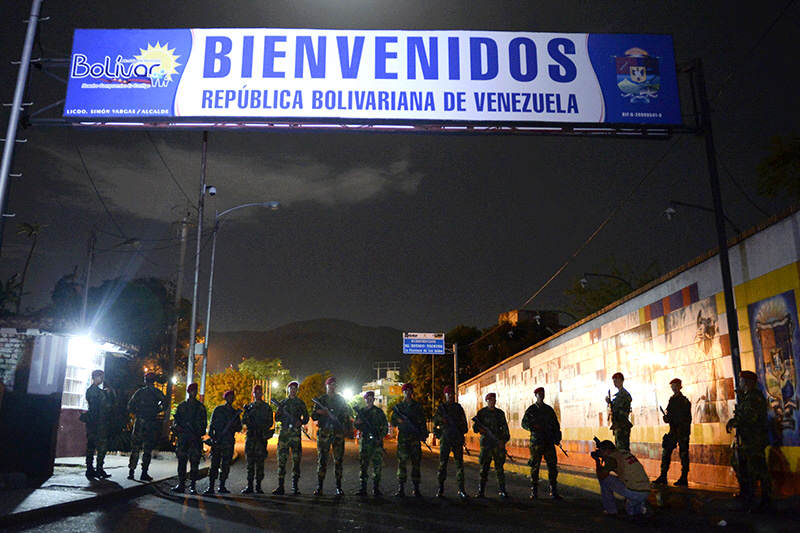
<point>675,329</point>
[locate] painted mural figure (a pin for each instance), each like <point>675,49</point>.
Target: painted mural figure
<point>541,420</point>
<point>146,404</point>
<point>679,418</point>
<point>409,419</point>
<point>257,417</point>
<point>449,426</point>
<point>750,421</point>
<point>619,411</point>
<point>97,419</point>
<point>491,423</point>
<point>190,426</point>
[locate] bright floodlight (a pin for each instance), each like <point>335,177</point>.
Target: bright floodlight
<point>81,352</point>
<point>275,384</point>
<point>174,379</point>
<point>347,393</point>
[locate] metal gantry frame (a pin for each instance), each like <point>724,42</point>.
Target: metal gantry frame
<point>701,114</point>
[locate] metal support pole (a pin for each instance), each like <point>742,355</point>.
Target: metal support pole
<point>433,394</point>
<point>16,106</point>
<point>92,243</point>
<point>173,334</point>
<point>719,217</point>
<point>208,309</point>
<point>200,205</point>
<point>455,370</point>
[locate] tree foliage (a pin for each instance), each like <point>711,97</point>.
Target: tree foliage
<point>779,171</point>
<point>269,370</point>
<point>240,383</point>
<point>311,387</point>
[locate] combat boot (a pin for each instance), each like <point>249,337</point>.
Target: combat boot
<point>534,491</point>
<point>318,490</point>
<point>661,480</point>
<point>192,487</point>
<point>145,476</point>
<point>339,491</point>
<point>481,489</point>
<point>210,490</point>
<point>279,489</point>
<point>376,488</point>
<point>682,481</point>
<point>416,492</point>
<point>554,492</point>
<point>295,489</point>
<point>222,488</point>
<point>247,490</point>
<point>440,492</point>
<point>101,474</point>
<point>258,487</point>
<point>180,488</point>
<point>363,490</point>
<point>401,490</point>
<point>502,491</point>
<point>90,472</point>
<point>131,473</point>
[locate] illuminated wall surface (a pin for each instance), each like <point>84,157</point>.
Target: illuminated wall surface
<point>676,328</point>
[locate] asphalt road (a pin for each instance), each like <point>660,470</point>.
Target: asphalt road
<point>579,511</point>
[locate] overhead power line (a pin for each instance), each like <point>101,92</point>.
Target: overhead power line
<point>169,171</point>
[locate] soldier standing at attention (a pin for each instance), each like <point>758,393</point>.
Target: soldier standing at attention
<point>750,421</point>
<point>224,424</point>
<point>333,416</point>
<point>146,404</point>
<point>97,418</point>
<point>292,414</point>
<point>679,418</point>
<point>190,426</point>
<point>408,417</point>
<point>541,421</point>
<point>491,423</point>
<point>449,426</point>
<point>620,408</point>
<point>372,423</point>
<point>258,419</point>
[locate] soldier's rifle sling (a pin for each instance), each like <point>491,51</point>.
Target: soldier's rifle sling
<point>413,426</point>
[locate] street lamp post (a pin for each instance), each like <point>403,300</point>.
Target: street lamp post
<point>217,217</point>
<point>583,281</point>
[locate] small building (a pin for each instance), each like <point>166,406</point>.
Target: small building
<point>384,388</point>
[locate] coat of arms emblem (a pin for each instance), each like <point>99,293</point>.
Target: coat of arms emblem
<point>638,75</point>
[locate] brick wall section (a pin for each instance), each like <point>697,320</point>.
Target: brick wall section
<point>12,348</point>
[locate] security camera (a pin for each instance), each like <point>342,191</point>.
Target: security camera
<point>211,190</point>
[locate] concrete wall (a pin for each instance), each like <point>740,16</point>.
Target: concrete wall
<point>12,348</point>
<point>675,327</point>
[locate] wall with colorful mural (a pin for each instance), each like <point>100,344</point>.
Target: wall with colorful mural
<point>675,327</point>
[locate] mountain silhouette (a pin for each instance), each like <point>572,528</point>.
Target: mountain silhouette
<point>347,349</point>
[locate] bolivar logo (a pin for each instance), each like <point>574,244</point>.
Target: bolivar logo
<point>154,65</point>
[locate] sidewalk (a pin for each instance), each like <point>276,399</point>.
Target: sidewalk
<point>68,489</point>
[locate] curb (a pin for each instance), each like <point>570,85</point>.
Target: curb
<point>88,504</point>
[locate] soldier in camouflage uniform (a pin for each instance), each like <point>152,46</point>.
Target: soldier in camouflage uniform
<point>449,426</point>
<point>293,415</point>
<point>258,419</point>
<point>679,418</point>
<point>146,404</point>
<point>190,426</point>
<point>750,421</point>
<point>541,421</point>
<point>491,423</point>
<point>619,409</point>
<point>408,417</point>
<point>331,433</point>
<point>225,422</point>
<point>372,424</point>
<point>98,418</point>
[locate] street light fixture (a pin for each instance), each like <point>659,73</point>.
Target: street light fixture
<point>671,212</point>
<point>585,282</point>
<point>269,205</point>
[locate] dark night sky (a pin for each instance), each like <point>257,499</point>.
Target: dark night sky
<point>418,232</point>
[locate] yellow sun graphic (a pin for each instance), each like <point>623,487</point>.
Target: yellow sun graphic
<point>160,54</point>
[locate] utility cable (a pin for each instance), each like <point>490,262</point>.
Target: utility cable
<point>99,196</point>
<point>169,171</point>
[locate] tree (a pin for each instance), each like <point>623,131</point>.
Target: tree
<point>32,231</point>
<point>779,171</point>
<point>269,370</point>
<point>216,384</point>
<point>311,387</point>
<point>9,294</point>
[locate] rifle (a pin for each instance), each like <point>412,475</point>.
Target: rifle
<point>294,421</point>
<point>212,442</point>
<point>563,450</point>
<point>413,426</point>
<point>370,428</point>
<point>447,422</point>
<point>337,424</point>
<point>488,432</point>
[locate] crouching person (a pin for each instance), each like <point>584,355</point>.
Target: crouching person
<point>630,481</point>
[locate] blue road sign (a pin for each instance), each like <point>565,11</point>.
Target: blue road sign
<point>423,343</point>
